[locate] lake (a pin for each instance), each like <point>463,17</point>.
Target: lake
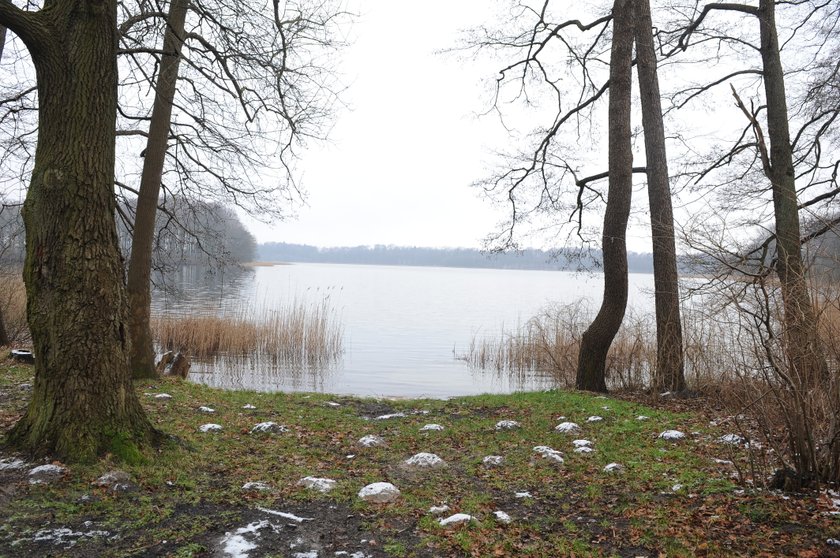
<point>403,326</point>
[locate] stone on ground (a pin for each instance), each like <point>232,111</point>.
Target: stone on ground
<point>210,427</point>
<point>46,474</point>
<point>438,510</point>
<point>595,418</point>
<point>319,484</point>
<point>614,468</point>
<point>425,460</point>
<point>507,425</point>
<point>118,481</point>
<point>549,453</point>
<point>371,440</point>
<point>208,410</point>
<point>502,517</point>
<point>379,493</point>
<point>672,435</point>
<point>255,486</point>
<point>268,427</point>
<point>493,460</point>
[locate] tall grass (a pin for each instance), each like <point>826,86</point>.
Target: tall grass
<point>297,334</point>
<point>13,307</point>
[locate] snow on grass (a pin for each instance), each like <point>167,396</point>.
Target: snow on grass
<point>672,435</point>
<point>567,427</point>
<point>210,427</point>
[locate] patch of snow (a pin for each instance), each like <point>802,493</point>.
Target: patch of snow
<point>310,554</point>
<point>425,460</point>
<point>584,449</point>
<point>507,425</point>
<point>502,517</point>
<point>319,484</point>
<point>268,427</point>
<point>390,416</point>
<point>379,493</point>
<point>493,460</point>
<point>722,461</point>
<point>256,485</point>
<point>248,407</point>
<point>371,440</point>
<point>676,488</point>
<point>832,542</point>
<point>163,396</point>
<point>112,478</point>
<point>595,418</point>
<point>210,427</point>
<point>432,427</point>
<point>207,410</point>
<point>456,519</point>
<point>236,545</point>
<point>581,443</point>
<point>562,417</point>
<point>44,474</point>
<point>614,468</point>
<point>642,417</point>
<point>732,439</point>
<point>64,536</point>
<point>549,453</point>
<point>284,515</point>
<point>332,404</point>
<point>672,435</point>
<point>437,510</point>
<point>11,464</point>
<point>567,427</point>
<point>606,408</point>
<point>522,495</point>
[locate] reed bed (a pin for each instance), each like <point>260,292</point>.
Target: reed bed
<point>13,308</point>
<point>298,334</point>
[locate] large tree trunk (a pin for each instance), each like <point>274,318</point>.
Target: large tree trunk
<point>805,356</point>
<point>669,373</point>
<point>2,40</point>
<point>596,341</point>
<point>83,403</point>
<point>140,262</point>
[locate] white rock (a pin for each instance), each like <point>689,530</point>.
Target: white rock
<point>431,427</point>
<point>210,427</point>
<point>437,510</point>
<point>502,517</point>
<point>207,410</point>
<point>45,474</point>
<point>248,407</point>
<point>595,418</point>
<point>581,443</point>
<point>379,493</point>
<point>425,460</point>
<point>614,468</point>
<point>163,396</point>
<point>732,439</point>
<point>642,417</point>
<point>507,425</point>
<point>371,440</point>
<point>457,519</point>
<point>256,486</point>
<point>391,416</point>
<point>493,460</point>
<point>567,427</point>
<point>672,435</point>
<point>268,428</point>
<point>319,484</point>
<point>549,453</point>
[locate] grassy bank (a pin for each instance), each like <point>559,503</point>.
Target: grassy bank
<point>671,499</point>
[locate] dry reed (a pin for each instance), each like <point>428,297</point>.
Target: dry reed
<point>299,333</point>
<point>13,308</point>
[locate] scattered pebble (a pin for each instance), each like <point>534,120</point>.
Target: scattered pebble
<point>390,416</point>
<point>319,484</point>
<point>732,439</point>
<point>431,427</point>
<point>502,517</point>
<point>549,453</point>
<point>248,407</point>
<point>507,425</point>
<point>438,510</point>
<point>493,460</point>
<point>45,474</point>
<point>672,435</point>
<point>268,428</point>
<point>595,418</point>
<point>614,468</point>
<point>210,427</point>
<point>425,460</point>
<point>207,410</point>
<point>371,440</point>
<point>379,493</point>
<point>256,486</point>
<point>567,427</point>
<point>457,519</point>
<point>163,396</point>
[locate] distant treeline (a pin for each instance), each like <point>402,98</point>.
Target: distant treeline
<point>444,257</point>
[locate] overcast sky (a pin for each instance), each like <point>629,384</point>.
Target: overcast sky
<point>401,159</point>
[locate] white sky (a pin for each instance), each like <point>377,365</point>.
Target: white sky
<point>400,161</point>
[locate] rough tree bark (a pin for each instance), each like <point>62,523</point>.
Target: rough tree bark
<point>669,373</point>
<point>83,402</point>
<point>140,262</point>
<point>805,356</point>
<point>596,341</point>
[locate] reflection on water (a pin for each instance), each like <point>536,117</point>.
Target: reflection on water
<point>402,326</point>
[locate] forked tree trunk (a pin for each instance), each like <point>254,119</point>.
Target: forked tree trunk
<point>83,402</point>
<point>596,341</point>
<point>140,263</point>
<point>669,373</point>
<point>806,360</point>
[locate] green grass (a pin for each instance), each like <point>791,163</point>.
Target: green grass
<point>190,490</point>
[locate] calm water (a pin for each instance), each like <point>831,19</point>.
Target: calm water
<point>403,326</point>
